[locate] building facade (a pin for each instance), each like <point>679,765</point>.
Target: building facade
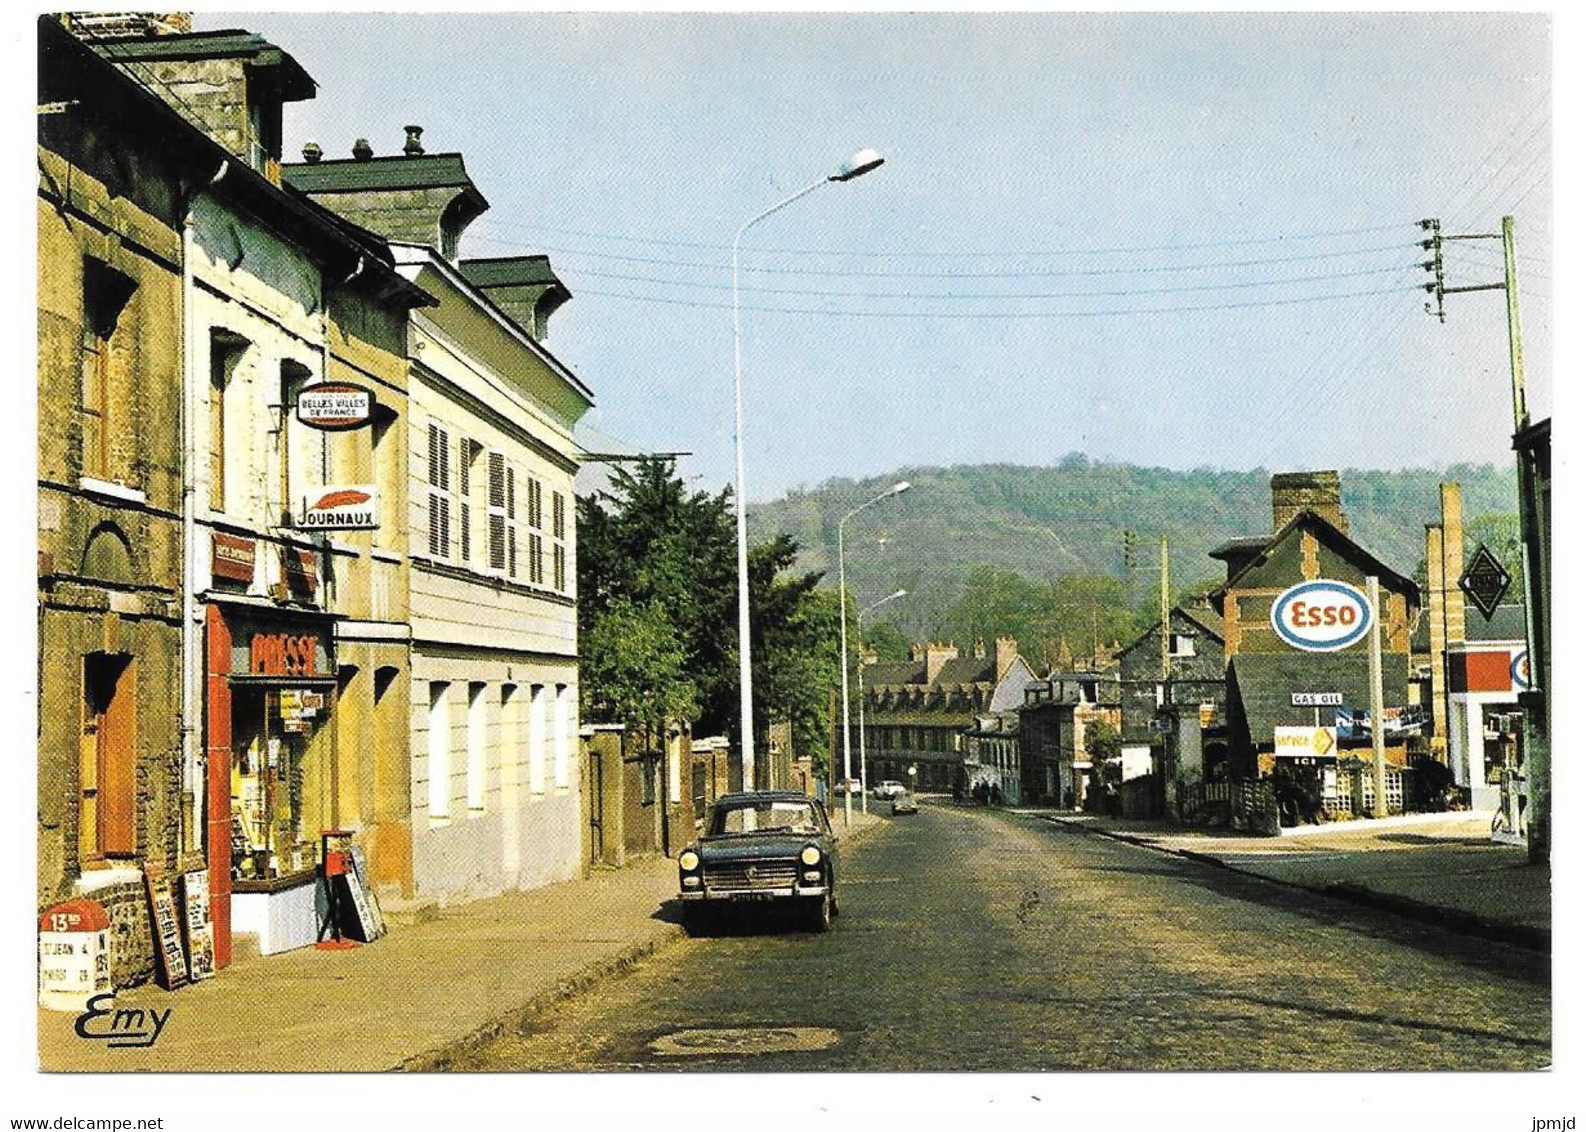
<point>917,711</point>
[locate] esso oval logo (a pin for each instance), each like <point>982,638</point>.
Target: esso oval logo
<point>1321,616</point>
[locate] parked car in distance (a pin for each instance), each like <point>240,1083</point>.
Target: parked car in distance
<point>852,786</point>
<point>773,847</point>
<point>904,803</point>
<point>889,789</point>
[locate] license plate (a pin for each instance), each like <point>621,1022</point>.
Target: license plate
<point>752,897</point>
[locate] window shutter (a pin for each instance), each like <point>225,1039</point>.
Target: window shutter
<point>558,515</point>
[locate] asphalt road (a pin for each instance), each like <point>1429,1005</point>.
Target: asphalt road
<point>974,940</point>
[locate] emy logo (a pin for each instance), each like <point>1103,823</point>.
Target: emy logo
<point>127,1028</point>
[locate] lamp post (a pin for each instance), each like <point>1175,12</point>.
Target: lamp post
<point>842,637</point>
<point>857,166</point>
<point>864,762</point>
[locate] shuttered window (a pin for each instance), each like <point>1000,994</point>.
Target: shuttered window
<point>559,547</point>
<point>467,451</point>
<point>498,511</point>
<point>440,500</point>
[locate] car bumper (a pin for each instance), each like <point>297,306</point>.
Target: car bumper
<point>751,895</point>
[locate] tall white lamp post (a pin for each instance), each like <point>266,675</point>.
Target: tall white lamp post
<point>857,166</point>
<point>842,635</point>
<point>864,761</point>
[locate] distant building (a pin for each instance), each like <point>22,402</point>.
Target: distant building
<point>1055,719</point>
<point>991,756</point>
<point>917,711</point>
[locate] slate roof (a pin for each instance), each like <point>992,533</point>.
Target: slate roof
<point>1327,533</point>
<point>389,173</point>
<point>1263,682</point>
<point>232,43</point>
<point>963,670</point>
<point>1203,622</point>
<point>509,271</point>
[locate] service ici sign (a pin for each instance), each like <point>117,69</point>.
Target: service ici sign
<point>1321,616</point>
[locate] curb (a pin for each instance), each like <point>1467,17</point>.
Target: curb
<point>441,1058</point>
<point>1451,919</point>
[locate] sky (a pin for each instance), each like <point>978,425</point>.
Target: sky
<point>1179,240</point>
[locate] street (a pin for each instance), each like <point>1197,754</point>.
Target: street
<point>980,940</point>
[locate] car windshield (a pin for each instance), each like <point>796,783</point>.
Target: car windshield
<point>766,817</point>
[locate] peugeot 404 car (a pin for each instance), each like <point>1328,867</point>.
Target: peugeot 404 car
<point>771,847</point>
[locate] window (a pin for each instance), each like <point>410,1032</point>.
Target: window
<point>467,454</point>
<point>559,546</point>
<point>503,539</point>
<point>386,455</point>
<point>476,767</point>
<point>225,354</point>
<point>440,486</point>
<point>537,739</point>
<point>107,821</point>
<point>105,296</point>
<point>1182,644</point>
<point>534,505</point>
<point>294,376</point>
<point>440,751</point>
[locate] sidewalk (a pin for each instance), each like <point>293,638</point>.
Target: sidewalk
<point>405,1000</point>
<point>1438,868</point>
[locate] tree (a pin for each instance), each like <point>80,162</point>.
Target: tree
<point>887,641</point>
<point>795,665</point>
<point>635,668</point>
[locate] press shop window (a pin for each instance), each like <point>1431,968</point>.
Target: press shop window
<point>279,776</point>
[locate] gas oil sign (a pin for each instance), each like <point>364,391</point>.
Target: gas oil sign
<point>1321,616</point>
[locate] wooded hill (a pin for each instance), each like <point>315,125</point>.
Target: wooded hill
<point>1045,523</point>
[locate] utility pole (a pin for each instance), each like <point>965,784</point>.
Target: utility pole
<point>1166,609</point>
<point>1379,769</point>
<point>1537,755</point>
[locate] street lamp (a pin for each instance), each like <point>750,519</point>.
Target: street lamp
<point>857,166</point>
<point>864,761</point>
<point>842,634</point>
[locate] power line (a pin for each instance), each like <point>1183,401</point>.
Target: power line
<point>951,295</point>
<point>1045,273</point>
<point>940,254</point>
<point>1002,315</point>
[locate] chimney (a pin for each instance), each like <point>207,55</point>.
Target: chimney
<point>412,147</point>
<point>1453,563</point>
<point>362,150</point>
<point>312,153</point>
<point>1007,650</point>
<point>1437,638</point>
<point>936,656</point>
<point>1293,492</point>
<point>979,651</point>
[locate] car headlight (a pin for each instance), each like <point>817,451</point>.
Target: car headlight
<point>688,861</point>
<point>811,855</point>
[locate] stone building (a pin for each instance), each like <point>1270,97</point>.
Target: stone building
<point>113,192</point>
<point>1195,686</point>
<point>918,710</point>
<point>1275,689</point>
<point>1055,721</point>
<point>288,631</point>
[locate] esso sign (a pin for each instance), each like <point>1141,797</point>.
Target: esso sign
<point>1321,616</point>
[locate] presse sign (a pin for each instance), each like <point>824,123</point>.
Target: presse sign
<point>1321,616</point>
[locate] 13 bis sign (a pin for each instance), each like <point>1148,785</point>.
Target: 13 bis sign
<point>335,406</point>
<point>1321,616</point>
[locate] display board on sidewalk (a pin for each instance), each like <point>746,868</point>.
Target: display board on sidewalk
<point>171,960</point>
<point>200,930</point>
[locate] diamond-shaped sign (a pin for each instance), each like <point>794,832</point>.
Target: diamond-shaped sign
<point>1485,581</point>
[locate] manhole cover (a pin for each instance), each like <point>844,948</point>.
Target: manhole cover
<point>744,1042</point>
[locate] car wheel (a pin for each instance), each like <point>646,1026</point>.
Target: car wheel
<point>820,913</point>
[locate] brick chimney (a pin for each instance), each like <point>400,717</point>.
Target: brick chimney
<point>1453,563</point>
<point>937,654</point>
<point>1293,492</point>
<point>1007,651</point>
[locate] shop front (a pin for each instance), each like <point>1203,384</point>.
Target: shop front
<point>270,722</point>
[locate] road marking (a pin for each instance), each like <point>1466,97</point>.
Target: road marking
<point>744,1042</point>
